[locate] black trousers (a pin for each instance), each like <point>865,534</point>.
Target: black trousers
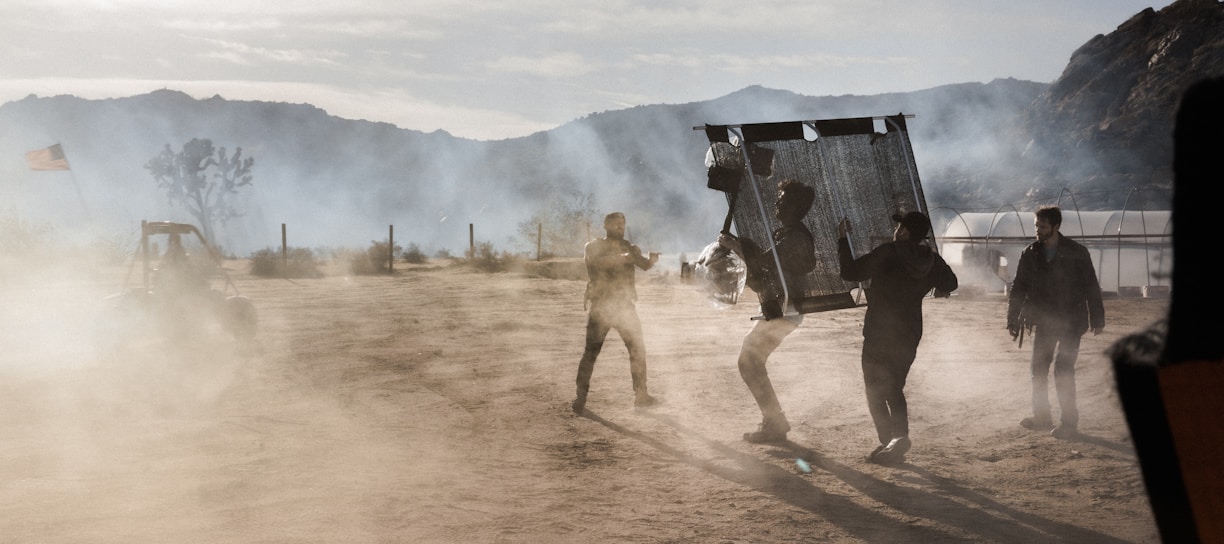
<point>1058,346</point>
<point>886,365</point>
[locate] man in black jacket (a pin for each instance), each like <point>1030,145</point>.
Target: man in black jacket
<point>901,273</point>
<point>1057,295</point>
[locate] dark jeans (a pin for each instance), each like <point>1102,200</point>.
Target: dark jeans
<point>885,368</point>
<point>1059,346</point>
<point>605,316</point>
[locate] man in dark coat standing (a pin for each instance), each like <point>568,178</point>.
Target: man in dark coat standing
<point>1055,293</point>
<point>901,273</point>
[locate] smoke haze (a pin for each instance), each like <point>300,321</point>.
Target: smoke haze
<point>341,183</point>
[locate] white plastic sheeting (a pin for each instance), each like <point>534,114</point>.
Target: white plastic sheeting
<point>1132,250</point>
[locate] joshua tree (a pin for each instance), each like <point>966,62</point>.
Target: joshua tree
<point>202,179</point>
<point>564,223</point>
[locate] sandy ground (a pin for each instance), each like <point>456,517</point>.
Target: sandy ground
<point>433,406</point>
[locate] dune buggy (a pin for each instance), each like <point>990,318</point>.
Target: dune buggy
<point>184,289</point>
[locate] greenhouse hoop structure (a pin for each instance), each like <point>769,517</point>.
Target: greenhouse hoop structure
<point>1132,250</point>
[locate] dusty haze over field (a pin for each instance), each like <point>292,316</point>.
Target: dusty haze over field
<point>433,406</point>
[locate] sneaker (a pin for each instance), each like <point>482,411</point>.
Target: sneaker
<point>894,452</point>
<point>1064,431</point>
<point>1037,423</point>
<point>579,404</point>
<point>644,400</point>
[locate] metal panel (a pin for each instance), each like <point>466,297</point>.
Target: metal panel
<point>857,173</point>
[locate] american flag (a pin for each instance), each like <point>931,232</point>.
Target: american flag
<point>51,158</point>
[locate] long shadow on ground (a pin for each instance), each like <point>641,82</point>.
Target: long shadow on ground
<point>1007,525</point>
<point>951,504</point>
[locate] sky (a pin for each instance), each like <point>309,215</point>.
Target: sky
<point>492,70</point>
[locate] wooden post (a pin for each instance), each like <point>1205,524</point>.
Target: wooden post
<point>539,239</point>
<point>284,253</point>
<point>471,240</point>
<point>144,252</point>
<point>391,249</point>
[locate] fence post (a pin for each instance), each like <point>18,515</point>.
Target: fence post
<point>390,249</point>
<point>471,241</point>
<point>539,239</point>
<point>284,253</point>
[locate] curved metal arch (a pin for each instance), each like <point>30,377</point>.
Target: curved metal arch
<point>1167,231</point>
<point>1121,222</point>
<point>1080,217</point>
<point>959,215</point>
<point>994,222</point>
<point>1074,204</point>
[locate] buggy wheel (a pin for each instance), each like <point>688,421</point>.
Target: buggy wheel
<point>240,318</point>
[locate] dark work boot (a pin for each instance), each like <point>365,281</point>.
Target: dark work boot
<point>772,429</point>
<point>580,402</point>
<point>1065,431</point>
<point>1038,423</point>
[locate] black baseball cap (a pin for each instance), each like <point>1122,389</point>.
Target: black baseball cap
<point>916,223</point>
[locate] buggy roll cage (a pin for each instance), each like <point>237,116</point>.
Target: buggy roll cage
<point>153,228</point>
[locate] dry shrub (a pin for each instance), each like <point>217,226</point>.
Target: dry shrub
<point>298,262</point>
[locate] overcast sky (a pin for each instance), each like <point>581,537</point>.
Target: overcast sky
<point>490,70</point>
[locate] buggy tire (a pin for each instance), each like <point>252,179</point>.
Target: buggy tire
<point>240,318</point>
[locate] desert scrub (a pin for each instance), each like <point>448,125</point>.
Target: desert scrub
<point>487,259</point>
<point>299,262</point>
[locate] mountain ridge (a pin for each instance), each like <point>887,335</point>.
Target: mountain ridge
<point>1100,131</point>
<point>646,158</point>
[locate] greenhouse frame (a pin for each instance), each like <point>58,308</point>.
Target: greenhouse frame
<point>1131,249</point>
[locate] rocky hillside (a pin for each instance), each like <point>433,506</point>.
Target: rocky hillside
<point>1106,123</point>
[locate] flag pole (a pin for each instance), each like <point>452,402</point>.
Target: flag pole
<point>53,158</point>
<point>80,196</point>
<point>75,185</point>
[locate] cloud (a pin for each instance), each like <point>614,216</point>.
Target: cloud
<point>748,64</point>
<point>241,53</point>
<point>554,65</point>
<point>213,26</point>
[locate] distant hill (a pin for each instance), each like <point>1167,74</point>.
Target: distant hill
<point>340,182</point>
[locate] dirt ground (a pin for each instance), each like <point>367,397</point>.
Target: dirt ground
<point>433,406</point>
